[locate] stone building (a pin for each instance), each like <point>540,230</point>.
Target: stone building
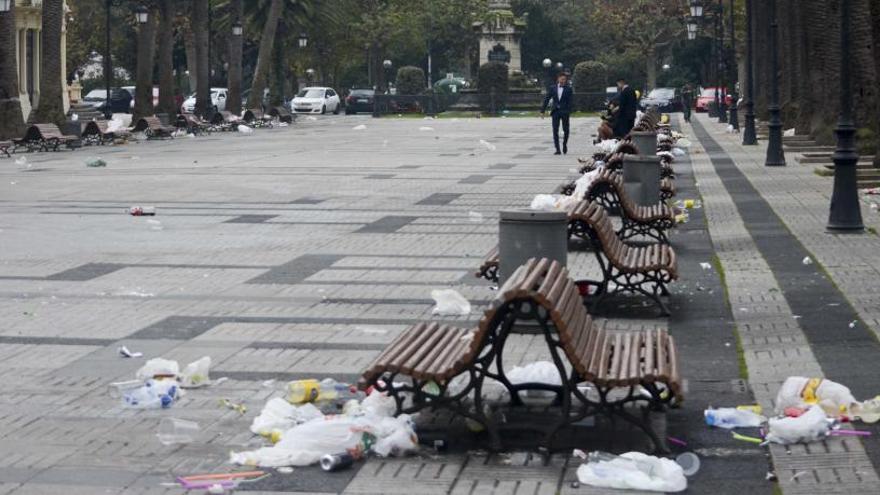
<point>28,50</point>
<point>500,36</point>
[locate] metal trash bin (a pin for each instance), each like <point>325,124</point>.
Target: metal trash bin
<point>641,178</point>
<point>645,142</point>
<point>524,234</point>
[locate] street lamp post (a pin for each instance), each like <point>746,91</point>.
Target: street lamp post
<point>734,111</point>
<point>692,27</point>
<point>386,65</point>
<point>548,67</point>
<point>750,137</point>
<point>846,213</point>
<point>775,154</point>
<point>303,40</point>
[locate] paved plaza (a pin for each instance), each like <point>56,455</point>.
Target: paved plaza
<point>302,251</point>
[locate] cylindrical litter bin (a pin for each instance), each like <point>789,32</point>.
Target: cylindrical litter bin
<point>645,142</point>
<point>641,178</point>
<point>524,234</point>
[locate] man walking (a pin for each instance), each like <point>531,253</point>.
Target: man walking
<point>627,106</point>
<point>561,96</point>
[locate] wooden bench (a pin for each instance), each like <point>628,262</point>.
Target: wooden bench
<point>282,115</point>
<point>255,117</point>
<point>153,128</point>
<point>419,366</point>
<point>96,132</point>
<point>193,124</point>
<point>625,267</point>
<point>44,137</point>
<point>4,147</point>
<point>489,267</point>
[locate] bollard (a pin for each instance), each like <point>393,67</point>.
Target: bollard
<point>524,234</point>
<point>645,142</point>
<point>641,178</point>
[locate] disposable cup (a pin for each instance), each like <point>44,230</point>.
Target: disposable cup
<point>173,430</point>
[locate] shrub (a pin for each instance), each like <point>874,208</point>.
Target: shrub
<point>492,84</point>
<point>410,80</point>
<point>590,77</point>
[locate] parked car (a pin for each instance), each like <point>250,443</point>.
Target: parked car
<point>665,99</point>
<point>218,100</point>
<point>120,101</point>
<point>95,98</point>
<point>316,100</point>
<point>707,96</point>
<point>359,100</point>
<point>133,91</point>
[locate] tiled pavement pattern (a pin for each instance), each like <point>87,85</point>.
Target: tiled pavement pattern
<point>290,253</point>
<point>817,340</point>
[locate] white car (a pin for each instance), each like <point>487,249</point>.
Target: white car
<point>218,99</point>
<point>316,100</point>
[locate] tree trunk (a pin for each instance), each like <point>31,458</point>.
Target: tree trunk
<point>865,80</point>
<point>805,108</point>
<point>11,119</point>
<point>51,105</point>
<point>264,56</point>
<point>146,58</point>
<point>166,58</point>
<point>200,30</point>
<point>233,99</point>
<point>824,49</point>
<point>651,68</point>
<point>189,45</point>
<point>279,74</point>
<point>875,23</point>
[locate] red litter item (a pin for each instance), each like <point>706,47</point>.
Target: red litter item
<point>142,211</point>
<point>794,412</point>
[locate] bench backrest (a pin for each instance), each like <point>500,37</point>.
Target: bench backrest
<point>253,114</point>
<point>37,132</point>
<point>596,218</point>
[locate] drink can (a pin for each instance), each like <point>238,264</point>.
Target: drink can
<point>336,462</point>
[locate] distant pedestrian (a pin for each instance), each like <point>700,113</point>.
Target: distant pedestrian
<point>627,106</point>
<point>561,96</point>
<point>687,101</point>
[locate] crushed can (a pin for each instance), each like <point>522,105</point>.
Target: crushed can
<point>336,462</point>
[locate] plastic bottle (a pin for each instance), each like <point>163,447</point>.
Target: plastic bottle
<point>868,411</point>
<point>728,418</point>
<point>154,394</point>
<point>302,391</point>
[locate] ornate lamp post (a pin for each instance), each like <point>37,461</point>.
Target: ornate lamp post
<point>692,28</point>
<point>548,67</point>
<point>386,65</point>
<point>734,111</point>
<point>237,28</point>
<point>303,40</point>
<point>775,154</point>
<point>750,137</point>
<point>846,213</point>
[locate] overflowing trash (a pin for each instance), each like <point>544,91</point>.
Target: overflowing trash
<point>632,471</point>
<point>449,302</point>
<point>800,392</point>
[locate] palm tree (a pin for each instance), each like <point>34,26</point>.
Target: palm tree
<point>11,120</point>
<point>255,99</point>
<point>233,100</point>
<point>165,57</point>
<point>51,106</point>
<point>203,77</point>
<point>146,56</point>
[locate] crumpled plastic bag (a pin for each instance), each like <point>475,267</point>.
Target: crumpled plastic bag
<point>450,303</point>
<point>378,404</point>
<point>278,414</point>
<point>158,367</point>
<point>551,202</point>
<point>196,373</point>
<point>678,151</point>
<point>537,372</point>
<point>683,143</point>
<point>582,185</point>
<point>797,391</point>
<point>811,426</point>
<point>243,129</point>
<point>306,443</point>
<point>607,146</point>
<point>647,473</point>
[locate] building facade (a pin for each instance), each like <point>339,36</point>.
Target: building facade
<point>28,51</point>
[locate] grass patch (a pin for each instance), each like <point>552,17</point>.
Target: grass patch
<point>823,172</point>
<point>871,230</point>
<point>740,352</point>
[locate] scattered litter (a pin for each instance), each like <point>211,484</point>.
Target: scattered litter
<point>835,399</point>
<point>729,418</point>
<point>755,408</point>
<point>869,410</point>
<point>486,144</point>
<point>426,129</point>
<point>371,330</point>
<point>450,302</point>
<point>196,373</point>
<point>96,162</point>
<point>142,211</point>
<point>268,383</point>
<point>124,352</point>
<point>279,415</point>
<point>285,469</point>
<point>238,407</point>
<point>22,161</point>
<point>74,117</point>
<point>807,260</point>
<point>797,475</point>
<point>677,441</point>
<point>359,127</point>
<point>850,433</point>
<point>689,462</point>
<point>731,129</point>
<point>689,204</point>
<point>336,462</point>
<point>789,132</point>
<point>678,152</point>
<point>745,438</point>
<point>770,476</point>
<point>632,470</point>
<point>550,202</point>
<point>811,426</point>
<point>153,394</point>
<point>311,118</point>
<point>852,324</point>
<point>173,430</point>
<point>158,368</point>
<point>474,216</point>
<point>219,482</point>
<point>243,129</point>
<point>579,454</point>
<point>705,266</point>
<point>155,224</point>
<point>607,146</point>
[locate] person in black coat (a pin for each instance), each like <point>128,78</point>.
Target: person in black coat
<point>627,105</point>
<point>560,100</point>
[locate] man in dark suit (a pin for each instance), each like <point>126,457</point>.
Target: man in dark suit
<point>627,104</point>
<point>559,99</point>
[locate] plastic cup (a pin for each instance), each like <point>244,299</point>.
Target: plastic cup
<point>173,430</point>
<point>689,463</point>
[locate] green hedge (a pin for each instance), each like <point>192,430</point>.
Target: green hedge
<point>590,77</point>
<point>492,84</point>
<point>410,80</point>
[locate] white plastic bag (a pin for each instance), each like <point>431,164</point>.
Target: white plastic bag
<point>196,373</point>
<point>543,202</point>
<point>359,127</point>
<point>243,129</point>
<point>450,303</point>
<point>379,404</point>
<point>537,372</point>
<point>797,391</point>
<point>158,367</point>
<point>278,414</point>
<point>607,146</point>
<point>582,185</point>
<point>395,436</point>
<point>811,426</point>
<point>647,473</point>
